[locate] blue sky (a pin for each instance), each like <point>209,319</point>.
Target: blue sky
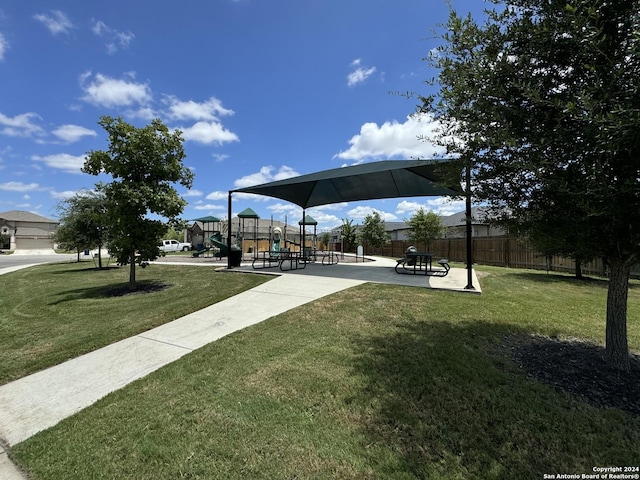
<point>262,90</point>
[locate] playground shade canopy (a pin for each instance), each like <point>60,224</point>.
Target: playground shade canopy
<point>367,181</point>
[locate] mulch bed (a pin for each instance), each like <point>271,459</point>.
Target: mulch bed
<point>577,368</point>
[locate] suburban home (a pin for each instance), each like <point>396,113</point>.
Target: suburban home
<point>481,225</point>
<point>27,231</point>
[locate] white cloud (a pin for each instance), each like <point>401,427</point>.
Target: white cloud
<point>73,133</point>
<point>4,46</point>
<point>393,139</point>
<point>208,206</point>
<point>62,195</point>
<point>116,40</point>
<point>218,195</point>
<point>325,220</point>
<point>207,133</point>
<point>265,175</point>
<point>208,110</point>
<point>359,74</point>
<point>104,91</point>
<point>219,157</point>
<point>361,212</point>
<point>62,161</point>
<point>19,187</point>
<point>20,125</point>
<point>441,205</point>
<point>192,193</point>
<point>293,212</point>
<point>144,113</point>
<point>57,22</point>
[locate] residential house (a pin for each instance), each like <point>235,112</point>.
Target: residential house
<point>481,225</point>
<point>28,231</point>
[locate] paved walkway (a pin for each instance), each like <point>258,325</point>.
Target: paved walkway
<point>41,400</point>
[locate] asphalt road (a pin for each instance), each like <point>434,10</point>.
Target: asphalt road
<point>12,261</point>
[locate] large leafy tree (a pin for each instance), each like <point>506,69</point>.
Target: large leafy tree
<point>145,163</point>
<point>373,231</point>
<point>349,234</point>
<point>541,101</point>
<point>82,222</point>
<point>425,227</point>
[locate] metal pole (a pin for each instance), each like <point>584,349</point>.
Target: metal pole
<point>229,232</point>
<point>468,229</point>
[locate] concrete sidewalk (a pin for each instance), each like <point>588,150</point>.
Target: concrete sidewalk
<point>43,399</point>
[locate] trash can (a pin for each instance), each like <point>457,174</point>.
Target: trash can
<point>410,260</point>
<point>235,255</point>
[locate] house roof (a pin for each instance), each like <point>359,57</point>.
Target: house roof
<point>479,216</point>
<point>23,216</point>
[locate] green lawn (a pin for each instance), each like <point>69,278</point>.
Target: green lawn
<point>374,382</point>
<point>51,313</point>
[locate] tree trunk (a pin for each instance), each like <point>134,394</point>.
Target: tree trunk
<point>578,269</point>
<point>132,270</point>
<point>617,348</point>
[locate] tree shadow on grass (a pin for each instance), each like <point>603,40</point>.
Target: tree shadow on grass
<point>451,401</point>
<point>553,277</point>
<point>110,291</point>
<point>93,269</point>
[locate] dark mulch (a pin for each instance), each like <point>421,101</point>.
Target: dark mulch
<point>577,368</point>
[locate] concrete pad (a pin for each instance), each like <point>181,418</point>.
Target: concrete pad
<point>381,270</point>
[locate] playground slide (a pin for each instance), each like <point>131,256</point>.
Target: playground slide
<point>216,242</point>
<point>197,253</point>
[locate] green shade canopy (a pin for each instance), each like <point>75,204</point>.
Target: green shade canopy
<point>308,220</point>
<point>367,181</point>
<point>208,219</point>
<point>248,213</point>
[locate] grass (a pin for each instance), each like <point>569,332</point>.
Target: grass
<point>377,381</point>
<point>51,313</point>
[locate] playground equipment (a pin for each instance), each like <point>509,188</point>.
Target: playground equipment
<point>277,234</point>
<point>202,251</point>
<point>234,253</point>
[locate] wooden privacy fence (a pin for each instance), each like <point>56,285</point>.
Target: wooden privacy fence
<point>501,251</point>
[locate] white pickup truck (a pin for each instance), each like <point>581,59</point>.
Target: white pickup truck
<point>173,246</point>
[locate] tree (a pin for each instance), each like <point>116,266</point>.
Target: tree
<point>425,227</point>
<point>541,102</point>
<point>373,231</point>
<point>349,234</point>
<point>82,223</point>
<point>144,163</point>
<point>325,238</point>
<point>5,238</point>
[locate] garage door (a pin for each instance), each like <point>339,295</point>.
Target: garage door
<point>33,244</point>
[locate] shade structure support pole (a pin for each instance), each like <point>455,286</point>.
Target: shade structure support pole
<point>304,231</point>
<point>468,229</point>
<point>229,232</point>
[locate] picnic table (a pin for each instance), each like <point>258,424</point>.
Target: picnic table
<point>415,262</point>
<point>279,258</point>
